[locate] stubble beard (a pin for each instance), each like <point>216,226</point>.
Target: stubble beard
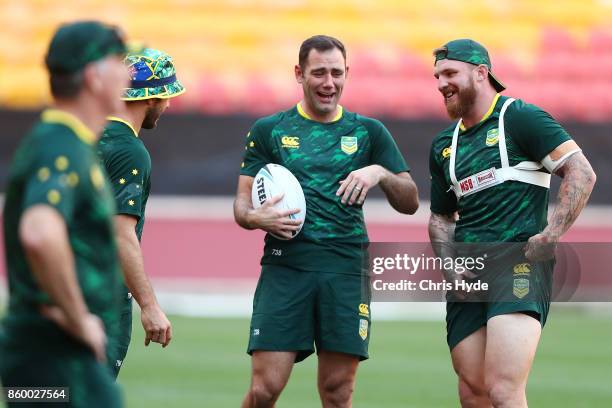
<point>464,104</point>
<point>150,120</point>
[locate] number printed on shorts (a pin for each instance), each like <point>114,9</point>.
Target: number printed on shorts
<point>277,252</point>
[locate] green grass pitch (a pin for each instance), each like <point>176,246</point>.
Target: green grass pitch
<point>409,366</point>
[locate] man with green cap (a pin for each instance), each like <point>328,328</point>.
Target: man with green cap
<point>490,177</point>
<point>128,164</point>
<point>64,277</point>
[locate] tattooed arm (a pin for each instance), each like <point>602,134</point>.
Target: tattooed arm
<point>576,186</point>
<point>441,230</point>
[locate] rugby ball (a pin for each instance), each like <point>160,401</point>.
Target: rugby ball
<point>274,179</point>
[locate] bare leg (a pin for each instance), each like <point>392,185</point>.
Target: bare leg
<point>336,379</point>
<point>469,363</point>
<point>512,340</point>
<point>270,373</point>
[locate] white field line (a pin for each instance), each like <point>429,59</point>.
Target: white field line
<point>232,299</point>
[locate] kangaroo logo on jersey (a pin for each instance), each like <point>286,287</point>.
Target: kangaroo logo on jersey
<point>290,142</point>
<point>492,137</point>
<point>520,288</point>
<point>348,144</point>
<point>446,153</point>
<point>363,329</point>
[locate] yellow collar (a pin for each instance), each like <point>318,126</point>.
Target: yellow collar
<point>305,115</point>
<point>486,115</point>
<point>125,122</point>
<point>71,122</point>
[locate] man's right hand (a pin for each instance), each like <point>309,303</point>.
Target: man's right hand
<point>273,220</point>
<point>456,278</point>
<point>89,330</point>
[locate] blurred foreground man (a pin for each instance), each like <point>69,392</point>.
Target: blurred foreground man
<point>314,289</point>
<point>490,177</point>
<point>128,164</point>
<point>62,263</point>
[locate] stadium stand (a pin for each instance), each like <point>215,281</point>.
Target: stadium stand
<point>237,55</point>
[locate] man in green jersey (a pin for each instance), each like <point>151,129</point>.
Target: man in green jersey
<point>310,290</point>
<point>490,174</point>
<point>64,277</point>
<point>128,164</point>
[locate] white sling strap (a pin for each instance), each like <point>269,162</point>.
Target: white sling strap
<point>524,172</point>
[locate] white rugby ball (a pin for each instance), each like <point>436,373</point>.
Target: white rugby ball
<point>274,179</point>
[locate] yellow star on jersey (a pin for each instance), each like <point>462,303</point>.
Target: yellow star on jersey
<point>131,203</point>
<point>121,180</point>
<point>72,179</point>
<point>61,163</point>
<point>43,174</point>
<point>252,144</point>
<point>134,172</point>
<point>54,196</point>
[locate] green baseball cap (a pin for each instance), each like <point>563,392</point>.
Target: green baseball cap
<point>77,44</point>
<point>153,76</point>
<point>469,51</point>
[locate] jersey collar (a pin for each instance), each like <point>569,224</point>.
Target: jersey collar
<point>306,116</point>
<point>71,122</point>
<point>486,115</point>
<point>125,122</point>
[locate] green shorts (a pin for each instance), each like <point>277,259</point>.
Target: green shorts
<point>45,356</point>
<point>119,340</point>
<point>517,286</point>
<point>296,310</point>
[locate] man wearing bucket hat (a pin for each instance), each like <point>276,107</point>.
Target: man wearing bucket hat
<point>64,276</point>
<point>490,177</point>
<point>128,165</point>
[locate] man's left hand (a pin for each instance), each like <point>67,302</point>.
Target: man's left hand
<point>156,325</point>
<point>355,187</point>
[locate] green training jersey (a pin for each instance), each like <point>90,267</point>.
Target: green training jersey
<point>56,165</point>
<point>320,155</point>
<point>128,165</point>
<point>509,212</point>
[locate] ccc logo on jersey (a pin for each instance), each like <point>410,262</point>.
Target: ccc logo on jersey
<point>290,142</point>
<point>364,310</point>
<point>522,269</point>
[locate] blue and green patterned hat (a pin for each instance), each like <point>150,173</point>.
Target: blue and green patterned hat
<point>153,76</point>
<point>469,51</point>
